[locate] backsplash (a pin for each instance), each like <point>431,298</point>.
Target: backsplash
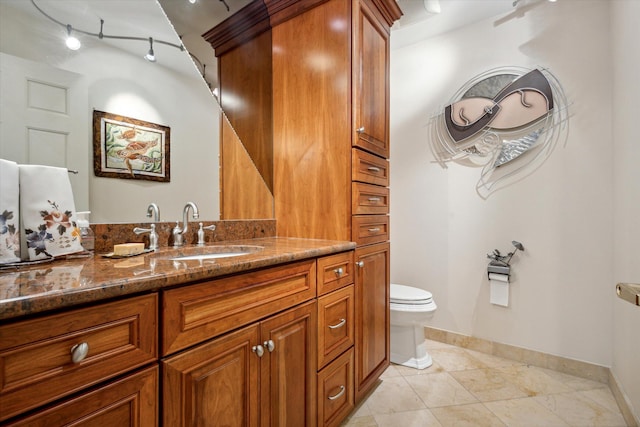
<point>108,235</point>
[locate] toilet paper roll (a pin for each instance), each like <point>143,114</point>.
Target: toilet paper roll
<point>499,293</point>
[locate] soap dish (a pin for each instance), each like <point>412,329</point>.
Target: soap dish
<point>114,256</point>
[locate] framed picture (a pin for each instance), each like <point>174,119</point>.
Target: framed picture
<point>128,148</point>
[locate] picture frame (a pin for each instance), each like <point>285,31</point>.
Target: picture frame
<point>128,148</point>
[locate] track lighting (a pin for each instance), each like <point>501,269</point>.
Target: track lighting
<point>72,42</point>
<point>150,56</point>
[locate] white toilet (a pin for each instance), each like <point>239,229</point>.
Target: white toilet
<point>410,309</point>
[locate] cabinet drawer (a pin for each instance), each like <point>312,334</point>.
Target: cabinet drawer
<point>36,363</point>
<point>368,168</point>
<point>335,391</point>
<point>131,401</point>
<point>369,199</point>
<point>334,272</point>
<point>195,313</point>
<point>368,229</point>
<point>335,324</point>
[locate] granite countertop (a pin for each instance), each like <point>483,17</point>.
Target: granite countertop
<point>66,283</point>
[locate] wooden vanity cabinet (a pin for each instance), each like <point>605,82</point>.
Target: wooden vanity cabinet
<point>261,375</point>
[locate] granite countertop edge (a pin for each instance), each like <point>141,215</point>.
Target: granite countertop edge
<point>66,284</point>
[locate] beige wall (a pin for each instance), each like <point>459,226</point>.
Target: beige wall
<point>626,92</point>
<point>563,284</point>
<point>577,215</point>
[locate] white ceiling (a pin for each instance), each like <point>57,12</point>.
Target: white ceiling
<point>416,24</point>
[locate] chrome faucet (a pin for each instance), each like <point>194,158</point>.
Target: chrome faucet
<point>153,210</point>
<point>178,233</point>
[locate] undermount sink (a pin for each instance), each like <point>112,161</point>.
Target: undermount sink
<point>201,253</point>
<point>209,256</point>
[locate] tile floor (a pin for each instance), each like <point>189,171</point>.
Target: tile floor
<point>467,388</point>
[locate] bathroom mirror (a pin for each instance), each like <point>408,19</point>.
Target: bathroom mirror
<point>113,77</point>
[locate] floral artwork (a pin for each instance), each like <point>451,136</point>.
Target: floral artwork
<point>9,233</point>
<point>130,148</point>
<point>53,230</point>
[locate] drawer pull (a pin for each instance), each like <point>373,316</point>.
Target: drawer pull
<point>79,352</point>
<point>339,325</point>
<point>360,129</point>
<point>360,264</point>
<point>373,169</point>
<point>270,345</point>
<point>340,393</point>
<point>258,349</point>
<point>339,271</point>
<point>374,230</point>
<point>374,199</point>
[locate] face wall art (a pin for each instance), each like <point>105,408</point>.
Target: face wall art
<point>497,118</point>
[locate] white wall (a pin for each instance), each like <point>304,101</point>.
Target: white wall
<point>563,284</point>
<point>626,92</point>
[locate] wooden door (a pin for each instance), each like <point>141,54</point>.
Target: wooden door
<point>214,384</point>
<point>372,315</point>
<point>288,371</point>
<point>371,81</point>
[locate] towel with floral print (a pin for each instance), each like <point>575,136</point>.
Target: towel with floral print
<point>9,212</point>
<point>48,212</point>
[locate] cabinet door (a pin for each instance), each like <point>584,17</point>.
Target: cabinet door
<point>371,82</point>
<point>288,371</point>
<point>214,384</point>
<point>372,315</point>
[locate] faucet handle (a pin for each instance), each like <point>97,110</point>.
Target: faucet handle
<point>177,235</point>
<point>201,241</point>
<point>153,236</point>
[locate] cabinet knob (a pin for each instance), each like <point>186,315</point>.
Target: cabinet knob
<point>270,345</point>
<point>79,352</point>
<point>360,264</point>
<point>340,393</point>
<point>339,271</point>
<point>374,199</point>
<point>258,349</point>
<point>373,169</point>
<point>340,324</point>
<point>360,129</point>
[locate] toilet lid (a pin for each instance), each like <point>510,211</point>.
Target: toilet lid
<point>401,294</point>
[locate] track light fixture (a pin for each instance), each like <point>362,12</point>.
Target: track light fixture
<point>73,43</point>
<point>150,56</point>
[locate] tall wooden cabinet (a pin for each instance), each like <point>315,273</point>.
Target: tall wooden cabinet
<point>329,70</point>
<point>331,149</point>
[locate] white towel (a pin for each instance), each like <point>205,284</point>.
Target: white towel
<point>9,212</point>
<point>48,213</point>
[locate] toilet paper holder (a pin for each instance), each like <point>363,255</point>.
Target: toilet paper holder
<point>500,263</point>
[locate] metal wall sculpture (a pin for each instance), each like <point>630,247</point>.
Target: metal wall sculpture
<point>498,117</point>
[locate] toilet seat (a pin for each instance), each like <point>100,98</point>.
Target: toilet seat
<point>401,294</point>
<point>407,298</point>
